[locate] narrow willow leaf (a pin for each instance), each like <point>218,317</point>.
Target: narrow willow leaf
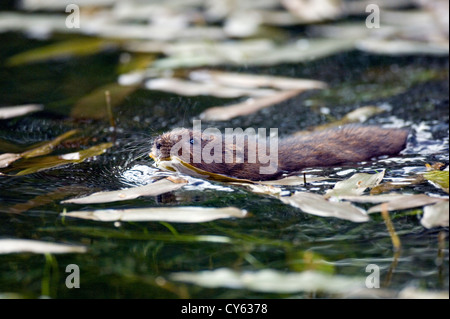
<point>9,246</point>
<point>34,165</point>
<point>271,281</point>
<point>264,52</point>
<point>41,149</point>
<point>416,293</point>
<point>435,215</point>
<point>93,105</point>
<point>250,106</point>
<point>160,187</point>
<point>356,185</point>
<point>47,147</point>
<point>399,184</point>
<point>7,112</point>
<point>402,47</point>
<point>262,189</point>
<point>346,30</point>
<point>317,205</point>
<point>301,51</point>
<point>166,214</point>
<point>242,80</point>
<point>190,88</point>
<point>60,50</point>
<point>176,164</point>
<point>8,158</point>
<point>406,203</point>
<point>242,24</point>
<point>362,113</point>
<point>314,11</point>
<point>60,6</point>
<point>439,178</point>
<point>135,63</point>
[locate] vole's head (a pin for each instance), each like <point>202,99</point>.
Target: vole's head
<point>179,142</point>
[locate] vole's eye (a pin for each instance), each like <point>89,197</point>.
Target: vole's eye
<point>191,141</point>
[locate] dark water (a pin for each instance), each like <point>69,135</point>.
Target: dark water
<point>128,260</point>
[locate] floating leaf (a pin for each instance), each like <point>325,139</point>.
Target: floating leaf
<point>9,246</point>
<point>230,85</point>
<point>242,80</point>
<point>398,184</point>
<point>160,187</point>
<point>41,149</point>
<point>406,202</point>
<point>273,188</point>
<point>167,214</point>
<point>435,215</point>
<point>269,280</point>
<point>262,189</point>
<point>303,50</point>
<point>132,63</point>
<point>7,112</point>
<point>51,5</point>
<point>190,88</point>
<point>93,105</point>
<point>34,165</point>
<point>77,47</point>
<point>356,185</point>
<point>314,11</point>
<point>439,178</point>
<point>176,164</point>
<point>415,293</point>
<point>8,158</point>
<point>362,113</point>
<point>317,205</point>
<point>252,105</point>
<point>256,53</point>
<point>402,47</point>
<point>47,147</point>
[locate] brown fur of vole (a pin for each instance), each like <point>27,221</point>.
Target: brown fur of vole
<point>349,144</point>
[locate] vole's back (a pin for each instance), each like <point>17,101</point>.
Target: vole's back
<point>338,146</point>
<point>348,144</point>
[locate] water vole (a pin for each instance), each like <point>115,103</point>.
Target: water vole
<point>332,147</point>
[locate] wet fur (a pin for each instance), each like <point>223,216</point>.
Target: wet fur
<point>349,144</point>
